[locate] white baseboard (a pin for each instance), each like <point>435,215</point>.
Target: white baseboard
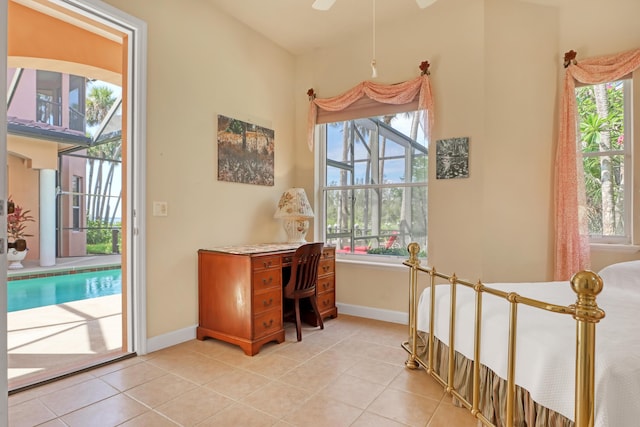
<point>172,338</point>
<point>374,313</point>
<point>176,337</point>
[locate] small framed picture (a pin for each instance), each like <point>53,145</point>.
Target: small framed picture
<point>452,158</point>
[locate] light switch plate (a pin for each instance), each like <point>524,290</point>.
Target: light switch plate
<point>160,209</point>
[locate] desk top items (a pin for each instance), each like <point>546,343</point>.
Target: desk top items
<point>295,211</point>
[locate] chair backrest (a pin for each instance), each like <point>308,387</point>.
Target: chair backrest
<point>304,270</point>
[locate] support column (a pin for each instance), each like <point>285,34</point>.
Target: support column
<point>47,217</point>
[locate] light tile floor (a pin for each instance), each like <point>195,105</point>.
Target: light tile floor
<point>350,374</point>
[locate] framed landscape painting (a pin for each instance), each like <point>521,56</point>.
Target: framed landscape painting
<point>245,152</point>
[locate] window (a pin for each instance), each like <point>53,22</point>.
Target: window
<point>49,97</point>
<point>605,139</point>
<point>77,102</point>
<point>76,190</point>
<point>374,184</point>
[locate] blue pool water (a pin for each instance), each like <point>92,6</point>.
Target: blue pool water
<point>32,293</point>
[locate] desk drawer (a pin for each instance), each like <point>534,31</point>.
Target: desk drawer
<point>286,260</point>
<point>267,279</point>
<point>326,284</point>
<point>326,301</point>
<point>326,266</point>
<point>267,301</point>
<point>266,262</point>
<point>266,323</point>
<point>328,252</point>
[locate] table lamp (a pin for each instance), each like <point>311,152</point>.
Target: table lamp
<point>294,209</point>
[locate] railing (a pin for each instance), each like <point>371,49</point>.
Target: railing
<point>585,311</point>
<point>361,239</point>
<point>76,120</point>
<point>49,112</point>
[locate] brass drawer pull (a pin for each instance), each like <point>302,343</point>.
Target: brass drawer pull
<point>325,302</point>
<point>326,268</point>
<point>267,325</point>
<point>287,259</point>
<point>267,304</point>
<point>267,282</point>
<point>266,264</point>
<point>325,286</point>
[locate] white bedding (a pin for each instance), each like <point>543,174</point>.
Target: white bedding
<point>545,363</point>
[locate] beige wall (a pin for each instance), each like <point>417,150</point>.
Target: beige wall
<point>521,66</point>
<point>202,63</point>
<point>495,69</point>
<point>38,154</point>
<point>496,65</point>
<point>456,52</point>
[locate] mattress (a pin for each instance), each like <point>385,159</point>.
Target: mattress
<point>545,361</point>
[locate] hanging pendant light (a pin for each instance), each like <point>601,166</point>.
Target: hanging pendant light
<point>374,70</point>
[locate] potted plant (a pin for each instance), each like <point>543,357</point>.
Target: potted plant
<point>16,232</point>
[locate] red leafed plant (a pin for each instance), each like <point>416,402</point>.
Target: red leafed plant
<point>17,222</point>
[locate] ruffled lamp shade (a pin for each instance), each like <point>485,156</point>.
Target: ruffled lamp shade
<point>294,209</point>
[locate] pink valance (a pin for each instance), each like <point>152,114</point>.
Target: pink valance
<point>401,93</point>
<point>572,234</point>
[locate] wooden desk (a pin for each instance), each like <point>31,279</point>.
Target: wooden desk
<point>240,293</point>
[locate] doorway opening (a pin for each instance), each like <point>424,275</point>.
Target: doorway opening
<point>81,185</point>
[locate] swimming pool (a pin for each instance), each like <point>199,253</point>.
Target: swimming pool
<point>32,293</point>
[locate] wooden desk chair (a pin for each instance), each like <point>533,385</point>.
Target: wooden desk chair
<point>303,279</point>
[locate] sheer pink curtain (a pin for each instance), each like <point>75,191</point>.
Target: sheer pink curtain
<point>572,239</point>
<point>401,93</point>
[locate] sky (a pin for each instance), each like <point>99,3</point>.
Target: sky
<point>394,170</point>
<point>117,180</point>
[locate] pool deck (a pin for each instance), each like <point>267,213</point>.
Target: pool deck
<point>50,341</point>
<point>32,268</point>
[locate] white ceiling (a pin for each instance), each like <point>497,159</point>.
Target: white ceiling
<point>295,26</point>
<point>298,28</point>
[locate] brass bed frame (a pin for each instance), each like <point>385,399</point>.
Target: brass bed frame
<point>585,311</point>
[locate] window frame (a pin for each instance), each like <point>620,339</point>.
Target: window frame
<point>323,189</point>
<point>77,89</point>
<point>49,90</point>
<point>76,203</point>
<point>628,176</point>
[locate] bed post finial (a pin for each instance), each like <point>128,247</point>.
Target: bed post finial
<point>586,284</point>
<point>414,250</point>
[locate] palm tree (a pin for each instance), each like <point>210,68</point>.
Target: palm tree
<point>601,124</point>
<point>608,205</point>
<point>99,102</point>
